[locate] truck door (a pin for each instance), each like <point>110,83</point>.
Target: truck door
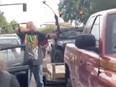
<point>13,56</point>
<point>87,62</point>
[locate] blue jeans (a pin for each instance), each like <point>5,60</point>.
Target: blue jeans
<point>38,75</point>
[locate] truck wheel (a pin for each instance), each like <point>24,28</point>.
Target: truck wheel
<point>23,78</point>
<point>44,80</point>
<point>68,83</point>
<point>67,77</point>
<point>57,56</point>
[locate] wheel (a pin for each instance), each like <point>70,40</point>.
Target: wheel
<point>67,77</point>
<point>57,56</point>
<point>23,78</point>
<point>69,83</point>
<point>44,80</point>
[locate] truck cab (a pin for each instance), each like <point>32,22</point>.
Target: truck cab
<point>66,35</point>
<point>91,60</point>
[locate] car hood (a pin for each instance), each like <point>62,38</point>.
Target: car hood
<point>63,42</point>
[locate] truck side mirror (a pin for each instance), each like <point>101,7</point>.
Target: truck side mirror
<point>87,42</point>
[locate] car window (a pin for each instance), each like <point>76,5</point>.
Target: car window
<point>69,34</point>
<point>88,25</point>
<point>96,29</point>
<point>111,34</point>
<point>10,55</point>
<point>9,41</point>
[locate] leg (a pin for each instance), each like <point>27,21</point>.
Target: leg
<point>44,52</point>
<point>31,71</point>
<point>38,75</point>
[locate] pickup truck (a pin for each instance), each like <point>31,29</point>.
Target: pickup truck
<point>91,60</point>
<point>66,35</point>
<point>16,58</point>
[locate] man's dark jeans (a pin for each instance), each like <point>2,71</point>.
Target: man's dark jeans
<point>38,74</point>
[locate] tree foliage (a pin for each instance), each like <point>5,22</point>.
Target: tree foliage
<point>70,9</point>
<point>98,5</point>
<point>3,23</point>
<point>12,26</point>
<point>48,29</point>
<point>6,27</point>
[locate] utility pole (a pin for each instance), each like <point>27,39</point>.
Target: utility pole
<point>55,16</point>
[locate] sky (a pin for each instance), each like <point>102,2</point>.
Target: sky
<point>36,11</point>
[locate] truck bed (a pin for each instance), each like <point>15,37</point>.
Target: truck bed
<point>56,71</point>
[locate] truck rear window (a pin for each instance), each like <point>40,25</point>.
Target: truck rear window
<point>111,34</point>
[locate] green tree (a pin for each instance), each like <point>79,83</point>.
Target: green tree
<point>3,23</point>
<point>70,9</point>
<point>98,5</point>
<point>48,29</point>
<point>12,26</point>
<point>6,27</point>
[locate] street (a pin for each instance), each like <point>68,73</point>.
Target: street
<point>49,84</point>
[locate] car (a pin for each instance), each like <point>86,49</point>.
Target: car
<point>66,35</point>
<point>12,39</point>
<point>16,56</point>
<point>16,62</point>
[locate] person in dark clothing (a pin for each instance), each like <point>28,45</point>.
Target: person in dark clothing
<point>36,42</point>
<point>7,79</point>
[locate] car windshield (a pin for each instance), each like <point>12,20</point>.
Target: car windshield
<point>12,56</point>
<point>9,41</point>
<point>69,34</point>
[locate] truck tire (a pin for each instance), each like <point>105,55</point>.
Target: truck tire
<point>23,78</point>
<point>67,77</point>
<point>44,80</point>
<point>57,56</point>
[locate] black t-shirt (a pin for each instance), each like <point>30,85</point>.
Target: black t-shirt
<point>40,36</point>
<point>35,40</point>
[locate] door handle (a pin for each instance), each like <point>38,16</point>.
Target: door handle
<point>81,61</point>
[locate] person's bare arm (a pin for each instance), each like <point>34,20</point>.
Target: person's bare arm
<point>21,30</point>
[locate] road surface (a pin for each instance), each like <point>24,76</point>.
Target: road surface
<point>49,84</point>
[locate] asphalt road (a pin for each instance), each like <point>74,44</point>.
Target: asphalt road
<point>49,83</point>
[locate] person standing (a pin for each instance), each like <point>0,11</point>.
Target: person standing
<point>7,79</point>
<point>37,42</point>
